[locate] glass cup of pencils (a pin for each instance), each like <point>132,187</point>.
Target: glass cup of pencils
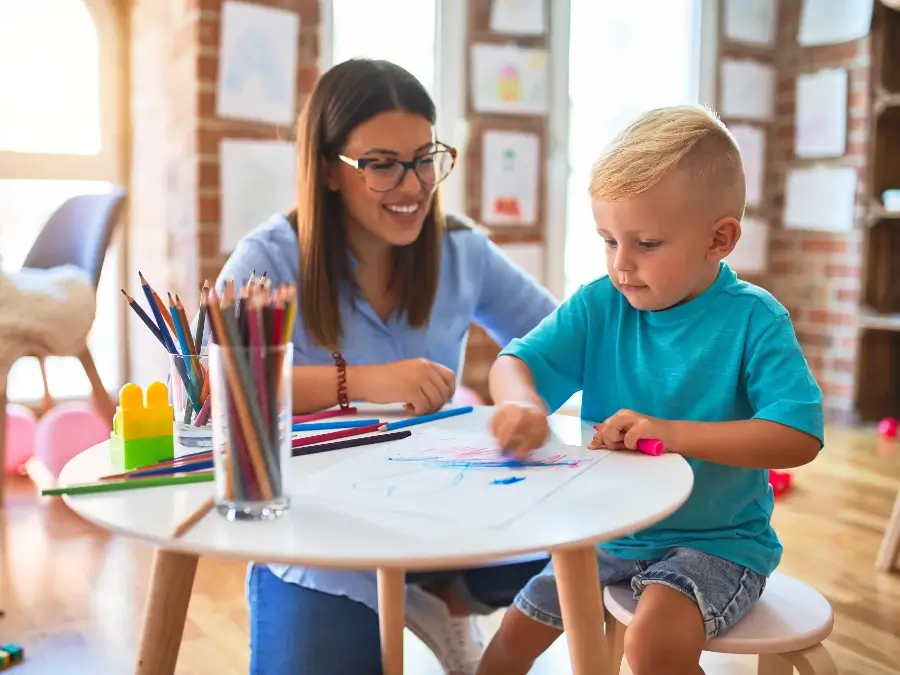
<point>250,368</point>
<point>189,387</point>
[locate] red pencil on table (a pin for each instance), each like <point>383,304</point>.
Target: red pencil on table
<point>332,435</point>
<point>325,414</point>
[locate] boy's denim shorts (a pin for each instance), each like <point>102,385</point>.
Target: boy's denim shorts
<point>724,591</point>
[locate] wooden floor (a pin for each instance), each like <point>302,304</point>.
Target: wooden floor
<point>73,595</point>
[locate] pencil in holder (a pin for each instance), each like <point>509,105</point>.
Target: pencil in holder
<point>189,378</point>
<point>250,389</point>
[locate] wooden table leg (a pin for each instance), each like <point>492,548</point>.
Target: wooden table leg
<point>166,611</point>
<point>3,444</point>
<point>391,618</point>
<point>890,543</point>
<point>581,602</point>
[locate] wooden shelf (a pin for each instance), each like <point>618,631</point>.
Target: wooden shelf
<point>869,320</point>
<point>878,388</point>
<point>888,60</point>
<point>886,158</point>
<point>881,285</point>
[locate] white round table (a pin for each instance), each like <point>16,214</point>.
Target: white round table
<point>621,493</point>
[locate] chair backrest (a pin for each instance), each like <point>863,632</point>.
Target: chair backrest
<point>78,233</point>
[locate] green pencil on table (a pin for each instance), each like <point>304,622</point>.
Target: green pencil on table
<point>132,484</point>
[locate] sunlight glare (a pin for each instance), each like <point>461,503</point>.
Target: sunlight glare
<point>49,76</point>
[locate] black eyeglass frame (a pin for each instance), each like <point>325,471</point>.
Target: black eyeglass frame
<point>361,164</point>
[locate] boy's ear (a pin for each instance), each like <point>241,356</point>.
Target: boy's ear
<point>726,233</point>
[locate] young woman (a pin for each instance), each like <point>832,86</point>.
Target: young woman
<point>388,287</point>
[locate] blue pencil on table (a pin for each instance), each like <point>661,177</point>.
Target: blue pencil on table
<point>441,414</point>
<point>343,424</point>
<point>187,467</point>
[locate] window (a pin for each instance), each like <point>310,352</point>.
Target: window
<point>401,31</point>
<point>624,58</point>
<point>57,62</point>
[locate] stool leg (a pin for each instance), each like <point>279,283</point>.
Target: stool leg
<point>581,602</point>
<point>774,664</point>
<point>890,543</point>
<point>615,642</point>
<point>2,445</point>
<point>102,400</point>
<point>813,661</point>
<point>391,619</point>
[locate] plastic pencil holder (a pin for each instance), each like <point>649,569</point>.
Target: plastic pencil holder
<point>250,389</point>
<point>189,387</point>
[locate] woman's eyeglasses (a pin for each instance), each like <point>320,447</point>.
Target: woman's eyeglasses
<point>384,173</point>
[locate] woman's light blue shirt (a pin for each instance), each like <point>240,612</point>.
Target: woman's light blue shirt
<point>478,284</point>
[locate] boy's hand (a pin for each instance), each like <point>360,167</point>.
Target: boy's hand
<point>624,429</point>
<point>520,428</point>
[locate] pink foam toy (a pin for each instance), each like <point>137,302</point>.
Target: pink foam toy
<point>21,426</point>
<point>887,428</point>
<point>66,430</point>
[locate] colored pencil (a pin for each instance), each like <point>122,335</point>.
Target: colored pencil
<point>350,443</point>
<point>115,486</point>
<point>345,424</point>
<point>441,414</point>
<point>142,315</point>
<point>333,435</point>
<point>187,467</point>
<point>649,446</point>
<point>325,414</point>
<point>195,517</point>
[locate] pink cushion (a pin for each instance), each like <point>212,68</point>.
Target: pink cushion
<point>466,396</point>
<point>65,431</point>
<point>20,436</point>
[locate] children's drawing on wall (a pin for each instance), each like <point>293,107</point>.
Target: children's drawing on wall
<point>258,63</point>
<point>510,178</point>
<point>464,479</point>
<point>509,80</point>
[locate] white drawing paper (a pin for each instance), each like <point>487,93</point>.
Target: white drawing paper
<point>748,90</point>
<point>507,79</point>
<point>751,22</point>
<point>449,476</point>
<point>528,256</point>
<point>751,254</point>
<point>510,178</point>
<point>824,22</point>
<point>518,17</point>
<point>258,179</point>
<point>752,142</point>
<point>258,63</point>
<point>821,198</point>
<point>820,123</point>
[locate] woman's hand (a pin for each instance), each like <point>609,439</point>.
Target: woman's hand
<point>520,428</point>
<point>424,386</point>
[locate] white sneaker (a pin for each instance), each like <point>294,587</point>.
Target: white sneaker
<point>456,641</point>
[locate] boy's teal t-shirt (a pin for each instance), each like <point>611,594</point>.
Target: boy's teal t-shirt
<point>728,354</point>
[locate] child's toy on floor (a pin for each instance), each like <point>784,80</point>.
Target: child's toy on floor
<point>887,428</point>
<point>10,655</point>
<point>66,430</point>
<point>142,430</point>
<point>20,430</point>
<point>780,482</point>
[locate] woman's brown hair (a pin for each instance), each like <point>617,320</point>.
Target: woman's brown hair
<point>345,96</point>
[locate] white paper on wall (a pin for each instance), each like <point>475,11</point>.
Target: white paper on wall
<point>820,125</point>
<point>528,256</point>
<point>751,254</point>
<point>748,90</point>
<point>752,142</point>
<point>824,22</point>
<point>518,17</point>
<point>257,181</point>
<point>507,79</point>
<point>510,178</point>
<point>821,198</point>
<point>751,22</point>
<point>258,63</point>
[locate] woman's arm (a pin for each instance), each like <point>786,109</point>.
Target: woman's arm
<point>316,387</point>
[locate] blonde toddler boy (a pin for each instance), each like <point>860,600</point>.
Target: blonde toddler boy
<point>670,345</point>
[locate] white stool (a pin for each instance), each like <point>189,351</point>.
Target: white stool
<point>785,628</point>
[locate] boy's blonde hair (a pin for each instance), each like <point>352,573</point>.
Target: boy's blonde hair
<point>687,138</point>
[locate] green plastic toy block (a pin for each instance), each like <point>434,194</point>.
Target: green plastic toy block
<point>131,454</point>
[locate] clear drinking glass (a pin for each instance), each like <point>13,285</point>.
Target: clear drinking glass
<point>250,389</point>
<point>189,389</point>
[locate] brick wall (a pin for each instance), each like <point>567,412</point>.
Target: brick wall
<point>174,215</point>
<point>818,275</point>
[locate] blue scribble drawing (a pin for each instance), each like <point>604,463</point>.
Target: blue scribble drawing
<point>399,484</point>
<point>508,481</point>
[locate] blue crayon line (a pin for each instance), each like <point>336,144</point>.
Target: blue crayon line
<point>508,481</point>
<point>344,424</point>
<point>178,468</point>
<point>490,464</point>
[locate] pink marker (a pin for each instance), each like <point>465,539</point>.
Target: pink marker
<point>649,446</point>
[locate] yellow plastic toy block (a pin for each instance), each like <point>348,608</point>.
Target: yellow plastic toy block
<point>136,419</point>
<point>142,430</point>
